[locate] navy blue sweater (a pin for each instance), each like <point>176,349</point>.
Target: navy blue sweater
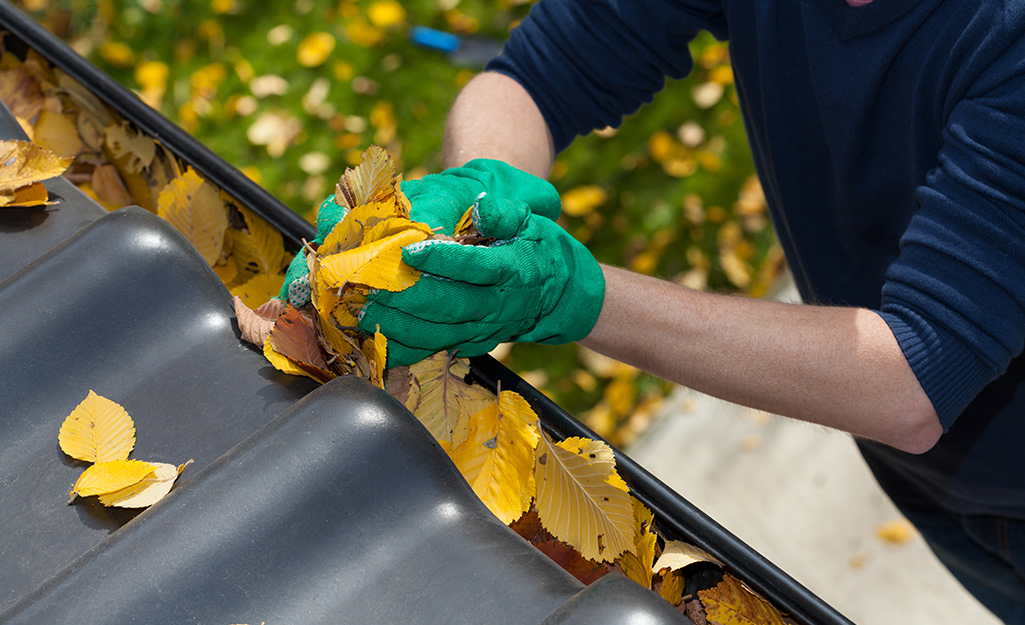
<point>890,141</point>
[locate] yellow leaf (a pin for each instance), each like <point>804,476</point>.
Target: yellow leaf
<point>97,430</point>
<point>497,458</point>
<point>373,180</point>
<point>636,563</point>
<point>465,224</point>
<point>23,163</point>
<point>580,497</point>
<point>386,13</point>
<point>678,554</point>
<point>33,195</point>
<point>672,588</point>
<point>58,133</point>
<point>730,603</point>
<point>315,49</point>
<point>338,269</point>
<point>389,226</point>
<point>896,532</point>
<point>259,289</point>
<point>109,476</point>
<point>123,140</point>
<point>260,248</point>
<point>446,399</point>
<point>375,350</point>
<point>194,207</point>
<point>146,492</point>
<point>583,200</point>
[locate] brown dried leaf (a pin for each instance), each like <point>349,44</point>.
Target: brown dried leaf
<point>124,140</point>
<point>294,337</point>
<point>256,325</point>
<point>586,571</point>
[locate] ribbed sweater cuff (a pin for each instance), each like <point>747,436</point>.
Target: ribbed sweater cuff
<point>949,371</point>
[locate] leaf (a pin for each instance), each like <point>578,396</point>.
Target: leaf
<point>373,180</point>
<point>258,289</point>
<point>110,476</point>
<point>23,163</point>
<point>256,325</point>
<point>730,603</point>
<point>260,248</point>
<point>497,457</point>
<point>586,571</point>
<point>896,532</point>
<point>465,225</point>
<point>97,430</point>
<point>386,272</point>
<point>109,188</point>
<point>446,399</point>
<point>294,337</point>
<point>581,499</point>
<point>58,133</point>
<point>636,563</point>
<point>194,207</point>
<point>671,588</point>
<point>283,364</point>
<point>123,140</point>
<point>146,492</point>
<point>33,195</point>
<point>18,89</point>
<point>403,386</point>
<point>678,554</point>
<point>375,351</point>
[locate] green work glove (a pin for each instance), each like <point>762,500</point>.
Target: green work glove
<point>438,200</point>
<point>535,283</point>
<point>296,288</point>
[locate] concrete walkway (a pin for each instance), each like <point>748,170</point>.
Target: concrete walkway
<point>802,496</point>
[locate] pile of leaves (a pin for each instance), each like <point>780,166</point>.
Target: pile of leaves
<point>118,165</point>
<point>565,497</point>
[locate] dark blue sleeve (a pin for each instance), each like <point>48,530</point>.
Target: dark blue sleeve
<point>587,63</point>
<point>955,297</point>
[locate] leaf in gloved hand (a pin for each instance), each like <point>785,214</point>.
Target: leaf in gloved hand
<point>581,499</point>
<point>497,457</point>
<point>295,338</point>
<point>374,180</point>
<point>97,430</point>
<point>376,265</point>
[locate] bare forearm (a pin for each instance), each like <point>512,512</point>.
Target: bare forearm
<point>494,117</point>
<point>839,367</point>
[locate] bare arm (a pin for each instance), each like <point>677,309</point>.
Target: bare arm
<point>839,367</point>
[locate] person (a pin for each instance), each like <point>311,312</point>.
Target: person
<point>887,137</point>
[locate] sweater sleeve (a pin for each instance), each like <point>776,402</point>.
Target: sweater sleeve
<point>955,296</point>
<point>587,63</point>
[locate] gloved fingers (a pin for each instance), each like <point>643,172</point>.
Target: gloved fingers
<point>400,355</point>
<point>434,300</point>
<point>499,218</point>
<point>298,269</point>
<point>503,180</point>
<point>473,264</point>
<point>439,200</point>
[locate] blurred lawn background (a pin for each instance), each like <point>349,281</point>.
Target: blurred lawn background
<point>291,92</point>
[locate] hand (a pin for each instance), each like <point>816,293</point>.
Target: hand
<point>439,200</point>
<point>535,283</point>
